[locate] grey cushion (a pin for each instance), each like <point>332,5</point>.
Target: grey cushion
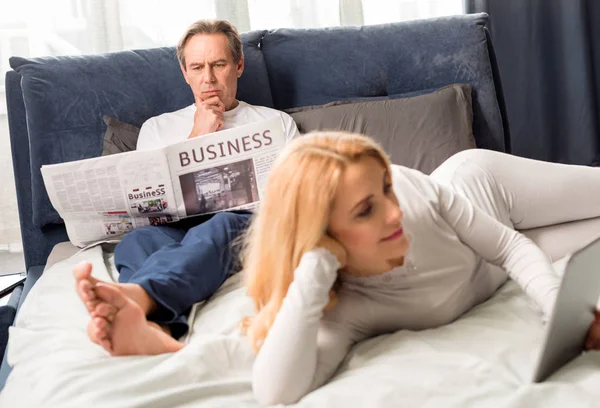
<point>119,136</point>
<point>317,66</point>
<point>418,132</point>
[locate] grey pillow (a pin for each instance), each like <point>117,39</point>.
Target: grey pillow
<point>119,136</point>
<point>419,132</point>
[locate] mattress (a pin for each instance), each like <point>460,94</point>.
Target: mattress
<point>484,359</point>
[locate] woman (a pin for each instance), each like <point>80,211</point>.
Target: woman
<point>346,246</point>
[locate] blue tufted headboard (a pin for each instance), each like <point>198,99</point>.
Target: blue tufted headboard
<point>56,105</point>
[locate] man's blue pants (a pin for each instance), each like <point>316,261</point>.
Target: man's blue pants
<point>178,268</point>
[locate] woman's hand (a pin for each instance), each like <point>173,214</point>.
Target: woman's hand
<point>593,338</point>
<point>335,248</point>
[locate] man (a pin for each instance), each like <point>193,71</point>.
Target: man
<point>163,270</point>
<point>211,60</point>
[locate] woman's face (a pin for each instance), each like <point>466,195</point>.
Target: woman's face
<point>367,220</point>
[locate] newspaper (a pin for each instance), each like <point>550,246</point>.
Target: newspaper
<point>105,197</point>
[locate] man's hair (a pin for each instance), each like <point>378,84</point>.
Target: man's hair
<point>212,27</point>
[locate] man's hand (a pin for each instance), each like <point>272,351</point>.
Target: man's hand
<point>335,248</point>
<point>208,117</point>
<point>593,338</point>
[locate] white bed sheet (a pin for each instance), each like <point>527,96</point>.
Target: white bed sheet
<point>484,359</point>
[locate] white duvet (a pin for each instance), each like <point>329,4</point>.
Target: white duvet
<point>482,360</point>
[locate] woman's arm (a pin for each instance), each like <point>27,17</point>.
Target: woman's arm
<point>300,353</point>
<point>524,261</point>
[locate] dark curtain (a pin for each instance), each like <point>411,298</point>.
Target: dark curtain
<point>548,55</point>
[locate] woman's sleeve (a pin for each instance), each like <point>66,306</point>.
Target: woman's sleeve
<point>300,352</point>
<point>500,245</point>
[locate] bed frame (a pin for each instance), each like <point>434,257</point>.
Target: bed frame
<point>56,104</point>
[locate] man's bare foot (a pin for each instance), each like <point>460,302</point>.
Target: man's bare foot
<point>120,325</point>
<point>85,285</point>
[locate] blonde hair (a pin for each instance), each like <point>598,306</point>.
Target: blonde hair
<point>293,217</point>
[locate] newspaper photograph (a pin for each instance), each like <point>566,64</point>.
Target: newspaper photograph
<point>105,197</point>
<point>219,188</point>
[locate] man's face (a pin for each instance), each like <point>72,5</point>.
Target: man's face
<point>210,70</point>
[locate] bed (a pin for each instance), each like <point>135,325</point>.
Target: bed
<point>55,108</point>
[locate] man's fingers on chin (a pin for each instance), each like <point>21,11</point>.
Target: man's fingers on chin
<point>215,108</point>
<point>219,104</point>
<point>214,100</point>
